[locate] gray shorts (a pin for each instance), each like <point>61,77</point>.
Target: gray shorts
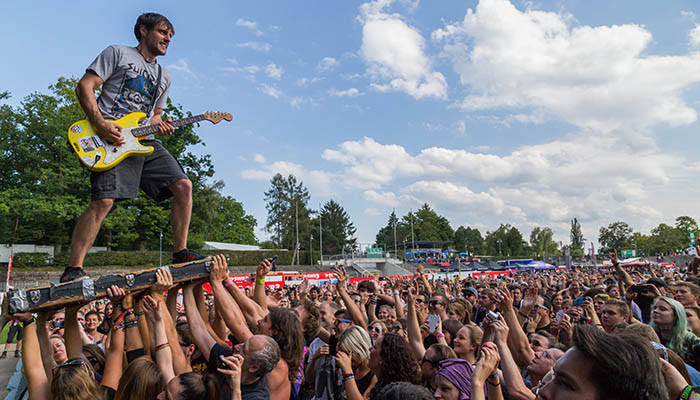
<point>152,173</point>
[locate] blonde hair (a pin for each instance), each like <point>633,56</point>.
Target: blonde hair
<point>355,339</point>
<point>73,382</point>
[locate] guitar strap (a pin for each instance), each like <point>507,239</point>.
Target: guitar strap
<point>155,93</point>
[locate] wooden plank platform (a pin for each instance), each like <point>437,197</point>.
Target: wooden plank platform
<point>60,295</point>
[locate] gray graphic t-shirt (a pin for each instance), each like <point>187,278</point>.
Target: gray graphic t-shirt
<point>129,83</point>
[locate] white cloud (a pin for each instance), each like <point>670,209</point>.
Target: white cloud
<point>271,91</point>
<point>540,62</point>
<point>385,198</point>
<point>273,71</point>
<point>319,182</point>
<point>182,66</point>
<point>352,92</point>
<point>257,46</point>
<point>253,26</point>
<point>394,52</point>
<point>694,36</point>
<point>307,81</point>
<point>327,63</point>
<point>259,158</point>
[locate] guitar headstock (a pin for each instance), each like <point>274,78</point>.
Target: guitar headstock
<point>216,117</point>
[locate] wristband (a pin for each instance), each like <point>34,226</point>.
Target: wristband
<point>131,324</point>
<point>162,346</point>
<point>348,377</point>
<point>140,313</point>
<point>440,335</point>
<point>396,292</point>
<point>260,281</point>
<point>228,282</point>
<point>685,395</point>
<point>522,315</point>
<point>120,316</point>
<point>28,322</point>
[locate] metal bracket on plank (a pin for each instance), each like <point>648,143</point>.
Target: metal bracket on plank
<point>130,280</point>
<point>18,301</point>
<point>88,286</point>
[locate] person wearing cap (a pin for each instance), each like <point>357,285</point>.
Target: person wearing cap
<point>471,295</point>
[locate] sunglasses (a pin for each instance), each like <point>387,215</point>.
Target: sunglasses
<point>434,302</point>
<point>396,328</point>
<point>71,363</point>
<point>602,296</point>
<point>375,329</point>
<point>420,301</point>
<point>429,361</point>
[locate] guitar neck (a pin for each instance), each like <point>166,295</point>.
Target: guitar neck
<point>150,129</point>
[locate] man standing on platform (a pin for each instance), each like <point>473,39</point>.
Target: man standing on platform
<point>131,80</point>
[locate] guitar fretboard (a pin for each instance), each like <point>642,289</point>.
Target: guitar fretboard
<point>147,130</point>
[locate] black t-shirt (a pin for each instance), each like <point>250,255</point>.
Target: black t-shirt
<point>256,391</point>
<point>213,365</point>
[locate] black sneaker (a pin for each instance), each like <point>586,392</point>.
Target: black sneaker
<point>3,355</point>
<point>16,353</point>
<point>186,255</point>
<point>72,274</point>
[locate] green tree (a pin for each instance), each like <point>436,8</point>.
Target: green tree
<point>614,237</point>
<point>287,204</point>
<point>578,242</point>
<point>506,241</point>
<point>338,229</point>
<point>666,239</point>
<point>686,225</point>
<point>468,240</point>
<point>542,243</point>
<point>276,205</point>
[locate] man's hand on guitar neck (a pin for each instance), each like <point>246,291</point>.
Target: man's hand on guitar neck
<point>111,132</point>
<point>165,128</point>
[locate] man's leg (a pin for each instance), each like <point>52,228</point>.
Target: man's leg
<point>86,230</point>
<point>181,212</point>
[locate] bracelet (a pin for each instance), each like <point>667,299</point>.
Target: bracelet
<point>348,377</point>
<point>28,322</point>
<point>118,327</point>
<point>129,310</point>
<point>120,316</point>
<point>162,346</point>
<point>140,313</point>
<point>131,324</point>
<point>260,281</point>
<point>522,315</point>
<point>685,395</point>
<point>229,282</point>
<point>494,384</point>
<point>440,335</point>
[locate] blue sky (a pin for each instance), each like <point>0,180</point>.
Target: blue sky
<point>530,113</point>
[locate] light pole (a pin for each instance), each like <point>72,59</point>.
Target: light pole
<point>499,246</point>
<point>311,250</point>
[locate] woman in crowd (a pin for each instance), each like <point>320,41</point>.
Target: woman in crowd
<point>670,323</point>
<point>353,358</point>
<point>391,360</point>
<point>467,341</point>
<point>376,329</point>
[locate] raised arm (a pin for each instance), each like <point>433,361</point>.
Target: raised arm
<point>164,358</point>
<point>352,308</point>
<point>164,281</point>
<point>45,343</point>
<point>415,341</point>
<point>224,303</point>
<point>37,382</point>
<point>398,306</point>
<point>486,372</point>
<point>74,344</point>
<point>511,372</point>
<point>200,334</point>
<point>259,291</point>
<point>250,309</point>
<point>419,274</point>
<point>621,273</point>
<point>517,340</point>
<point>115,352</point>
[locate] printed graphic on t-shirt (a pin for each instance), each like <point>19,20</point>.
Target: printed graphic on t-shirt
<point>136,92</point>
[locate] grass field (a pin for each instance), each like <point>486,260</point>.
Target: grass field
<point>3,335</point>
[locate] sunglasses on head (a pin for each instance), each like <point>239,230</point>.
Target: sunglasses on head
<point>347,321</point>
<point>71,363</point>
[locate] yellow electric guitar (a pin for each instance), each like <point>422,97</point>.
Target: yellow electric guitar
<point>98,155</point>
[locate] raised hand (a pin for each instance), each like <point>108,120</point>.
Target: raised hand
<point>219,269</point>
<point>115,294</point>
<point>504,299</point>
<point>613,258</point>
<point>164,281</point>
<point>233,370</point>
<point>500,331</point>
<point>419,270</point>
<point>344,360</point>
<point>487,364</point>
<point>152,308</point>
<point>263,268</point>
<point>342,276</point>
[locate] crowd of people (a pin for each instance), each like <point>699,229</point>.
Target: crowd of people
<point>575,334</point>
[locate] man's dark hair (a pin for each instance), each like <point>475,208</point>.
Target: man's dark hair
<point>624,366</point>
<point>404,390</point>
<point>367,285</point>
<point>150,20</point>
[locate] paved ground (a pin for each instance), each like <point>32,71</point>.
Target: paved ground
<point>7,368</point>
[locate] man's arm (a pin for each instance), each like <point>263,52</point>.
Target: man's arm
<point>200,334</point>
<point>415,341</point>
<point>85,91</point>
<point>511,372</point>
<point>354,312</point>
<point>224,303</point>
<point>517,340</point>
<point>259,291</point>
<point>37,382</point>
